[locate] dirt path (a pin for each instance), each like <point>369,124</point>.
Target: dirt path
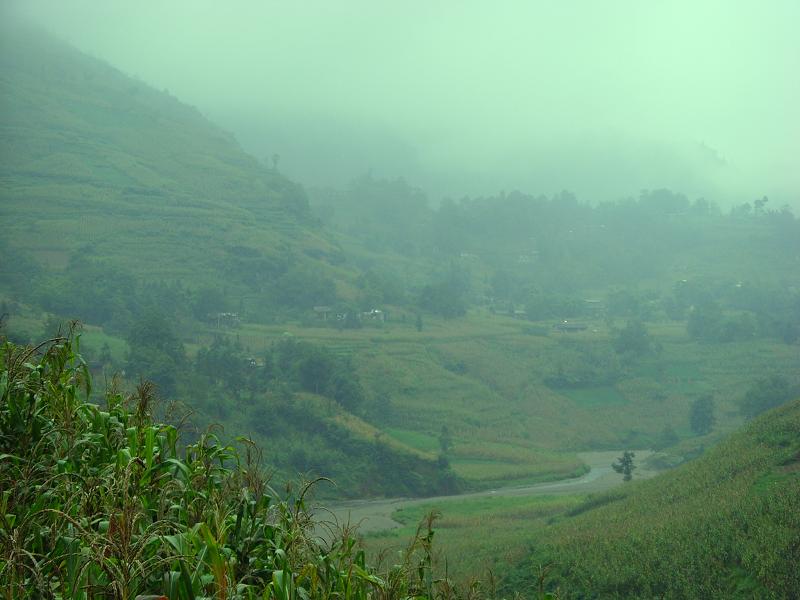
<point>376,515</point>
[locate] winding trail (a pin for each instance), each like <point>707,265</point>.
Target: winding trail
<point>376,515</point>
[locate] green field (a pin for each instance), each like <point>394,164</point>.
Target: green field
<point>596,397</point>
<point>497,406</point>
<point>505,423</point>
<point>477,538</point>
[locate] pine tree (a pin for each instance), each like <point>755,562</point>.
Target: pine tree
<point>701,417</point>
<point>625,465</point>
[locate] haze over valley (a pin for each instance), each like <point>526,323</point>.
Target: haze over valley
<point>525,277</point>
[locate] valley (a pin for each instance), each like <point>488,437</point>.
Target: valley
<point>182,321</point>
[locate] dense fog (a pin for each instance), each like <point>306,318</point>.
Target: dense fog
<point>469,98</point>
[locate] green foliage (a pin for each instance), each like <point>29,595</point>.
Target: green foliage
<point>445,439</point>
<point>382,213</point>
<point>633,339</point>
<point>584,366</point>
<point>106,503</point>
<point>155,352</point>
<point>668,437</point>
<point>119,200</point>
<point>304,289</point>
<point>764,394</point>
<point>299,400</point>
<point>624,465</point>
<point>447,296</point>
<point>701,415</point>
<point>705,322</point>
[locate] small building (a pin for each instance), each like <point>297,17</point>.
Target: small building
<point>594,306</point>
<point>567,327</point>
<point>373,315</point>
<point>226,319</point>
<point>322,312</point>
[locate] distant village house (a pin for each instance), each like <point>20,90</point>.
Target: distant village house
<point>567,327</point>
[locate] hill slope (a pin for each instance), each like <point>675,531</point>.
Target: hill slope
<point>726,525</point>
<point>98,166</point>
<point>128,210</point>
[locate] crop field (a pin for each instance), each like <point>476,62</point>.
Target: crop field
<point>476,537</point>
<point>484,378</point>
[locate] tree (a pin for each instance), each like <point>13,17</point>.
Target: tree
<point>633,339</point>
<point>315,371</point>
<point>445,439</point>
<point>155,352</point>
<point>701,415</point>
<point>705,322</point>
<point>303,288</point>
<point>447,296</point>
<point>105,355</point>
<point>625,465</point>
<point>346,389</point>
<point>208,301</point>
<point>665,439</point>
<point>224,361</point>
<point>443,299</point>
<point>765,394</point>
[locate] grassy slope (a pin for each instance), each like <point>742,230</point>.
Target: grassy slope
<point>726,525</point>
<point>476,538</point>
<point>95,161</point>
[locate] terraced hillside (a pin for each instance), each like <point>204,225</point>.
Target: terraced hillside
<point>97,166</point>
<point>127,209</point>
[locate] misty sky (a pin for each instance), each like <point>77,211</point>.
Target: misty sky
<point>602,98</point>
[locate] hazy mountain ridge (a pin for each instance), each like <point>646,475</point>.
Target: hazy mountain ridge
<point>108,162</point>
<point>60,103</point>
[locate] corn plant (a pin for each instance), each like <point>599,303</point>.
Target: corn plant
<point>103,502</point>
